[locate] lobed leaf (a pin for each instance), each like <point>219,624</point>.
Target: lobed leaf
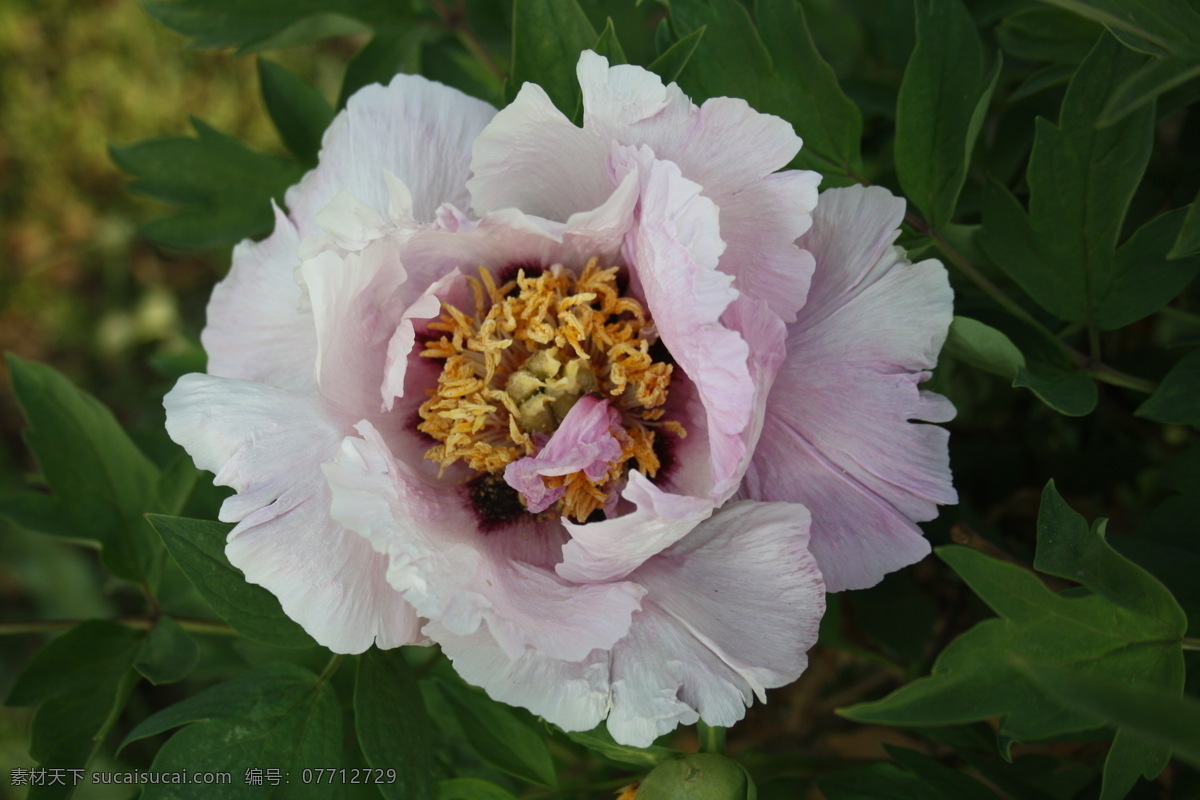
<point>548,36</point>
<point>225,188</point>
<point>198,547</point>
<point>1177,399</point>
<point>394,729</point>
<point>168,654</point>
<point>984,347</point>
<point>299,112</point>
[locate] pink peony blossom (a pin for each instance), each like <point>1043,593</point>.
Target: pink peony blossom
<point>595,409</point>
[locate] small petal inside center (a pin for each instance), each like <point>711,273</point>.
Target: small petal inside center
<point>553,375</point>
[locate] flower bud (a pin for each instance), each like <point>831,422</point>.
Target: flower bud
<point>702,776</point>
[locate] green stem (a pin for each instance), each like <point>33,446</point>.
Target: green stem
<point>139,623</point>
<point>712,738</point>
<point>1114,377</point>
<point>1181,315</point>
<point>330,668</point>
<point>1190,644</point>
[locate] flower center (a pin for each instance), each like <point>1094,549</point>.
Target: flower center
<point>514,369</point>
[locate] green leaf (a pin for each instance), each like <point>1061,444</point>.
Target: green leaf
<point>1167,24</point>
<point>168,654</point>
<point>277,715</point>
<point>390,52</point>
<point>1127,628</point>
<point>472,789</point>
<point>224,187</point>
<point>600,742</point>
<point>1067,391</point>
<point>394,729</point>
<point>548,36</point>
<point>84,678</point>
<point>924,779</point>
<point>1188,241</point>
<point>199,549</point>
<point>299,112</point>
<point>776,67</point>
<point>1081,180</point>
<point>1177,399</point>
<point>499,737</point>
<point>1047,34</point>
<point>1145,85</point>
<point>983,347</point>
<point>1145,278</point>
<point>940,109</point>
<point>269,24</point>
<point>673,60</point>
<point>608,46</point>
<point>102,482</point>
<point>1159,716</point>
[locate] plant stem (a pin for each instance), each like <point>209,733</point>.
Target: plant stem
<point>140,623</point>
<point>456,22</point>
<point>712,738</point>
<point>1180,314</point>
<point>330,668</point>
<point>1190,644</point>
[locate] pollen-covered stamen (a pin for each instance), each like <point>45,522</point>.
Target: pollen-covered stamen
<point>515,368</point>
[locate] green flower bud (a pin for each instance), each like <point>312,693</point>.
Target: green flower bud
<point>702,776</point>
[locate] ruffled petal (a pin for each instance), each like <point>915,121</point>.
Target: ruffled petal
<point>837,435</point>
<point>731,151</point>
<point>531,157</point>
<point>256,329</point>
<point>267,444</point>
<point>459,577</point>
<point>572,695</point>
<point>610,549</point>
<point>419,131</point>
<point>673,251</point>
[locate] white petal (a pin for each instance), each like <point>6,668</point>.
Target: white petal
<point>419,131</point>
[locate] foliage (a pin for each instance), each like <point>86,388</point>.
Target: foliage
<point>1044,151</point>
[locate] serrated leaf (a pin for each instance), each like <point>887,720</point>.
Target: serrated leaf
<point>472,789</point>
<point>299,112</point>
<point>776,67</point>
<point>84,678</point>
<point>500,738</point>
<point>940,108</point>
<point>600,742</point>
<point>225,188</point>
<point>390,52</point>
<point>267,24</point>
<point>276,715</point>
<point>199,549</point>
<point>548,36</point>
<point>1177,399</point>
<point>1128,629</point>
<point>168,654</point>
<point>102,482</point>
<point>394,729</point>
<point>982,346</point>
<point>1081,180</point>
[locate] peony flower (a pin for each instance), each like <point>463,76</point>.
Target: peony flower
<point>562,399</point>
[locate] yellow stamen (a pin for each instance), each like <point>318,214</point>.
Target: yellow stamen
<point>533,347</point>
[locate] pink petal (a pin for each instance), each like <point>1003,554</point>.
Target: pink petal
<point>584,441</point>
<point>419,131</point>
<point>267,444</point>
<point>459,577</point>
<point>611,549</point>
<point>673,251</point>
<point>729,150</point>
<point>837,434</point>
